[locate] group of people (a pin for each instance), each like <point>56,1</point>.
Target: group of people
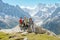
<point>26,23</point>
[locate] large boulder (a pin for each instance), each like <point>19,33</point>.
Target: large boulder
<point>40,30</point>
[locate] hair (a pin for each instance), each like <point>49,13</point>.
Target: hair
<point>30,18</point>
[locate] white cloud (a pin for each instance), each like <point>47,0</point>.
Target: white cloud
<point>22,7</point>
<point>28,7</point>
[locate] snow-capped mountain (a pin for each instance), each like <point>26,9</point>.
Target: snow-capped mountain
<point>54,23</point>
<point>10,15</point>
<point>47,16</point>
<point>30,10</point>
<point>12,10</point>
<point>8,22</point>
<point>43,11</point>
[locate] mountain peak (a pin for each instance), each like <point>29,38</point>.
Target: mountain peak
<point>17,6</point>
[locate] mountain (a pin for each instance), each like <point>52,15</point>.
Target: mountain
<point>44,11</point>
<point>54,23</point>
<point>8,22</point>
<point>30,10</point>
<point>10,14</point>
<point>3,24</point>
<point>45,15</point>
<point>48,16</point>
<point>12,10</point>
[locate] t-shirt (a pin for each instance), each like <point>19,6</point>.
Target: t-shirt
<point>20,21</point>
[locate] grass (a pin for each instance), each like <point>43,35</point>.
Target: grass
<point>30,36</point>
<point>41,37</point>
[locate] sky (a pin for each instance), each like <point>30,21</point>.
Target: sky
<point>30,2</point>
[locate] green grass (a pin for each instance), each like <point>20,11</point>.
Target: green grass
<point>41,37</point>
<point>30,36</point>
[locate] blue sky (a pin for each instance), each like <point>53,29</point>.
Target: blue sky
<point>30,2</point>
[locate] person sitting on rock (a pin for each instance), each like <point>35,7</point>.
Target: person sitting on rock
<point>25,23</point>
<point>31,24</point>
<point>21,23</point>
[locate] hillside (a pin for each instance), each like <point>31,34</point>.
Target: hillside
<point>16,34</point>
<point>29,36</point>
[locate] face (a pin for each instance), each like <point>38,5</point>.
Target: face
<point>24,17</point>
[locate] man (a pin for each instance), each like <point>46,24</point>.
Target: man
<point>25,23</point>
<point>21,23</point>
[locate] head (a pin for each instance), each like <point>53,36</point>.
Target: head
<point>24,17</point>
<point>30,19</point>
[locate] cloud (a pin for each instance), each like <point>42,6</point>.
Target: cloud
<point>28,7</point>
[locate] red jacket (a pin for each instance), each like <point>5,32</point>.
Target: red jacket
<point>20,21</point>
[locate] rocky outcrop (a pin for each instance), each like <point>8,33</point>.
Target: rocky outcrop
<point>41,30</point>
<point>37,30</point>
<point>13,30</point>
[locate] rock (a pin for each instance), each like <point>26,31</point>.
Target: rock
<point>24,33</point>
<point>14,36</point>
<point>29,30</point>
<point>25,38</point>
<point>50,33</point>
<point>11,37</point>
<point>0,38</point>
<point>19,39</point>
<point>39,30</point>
